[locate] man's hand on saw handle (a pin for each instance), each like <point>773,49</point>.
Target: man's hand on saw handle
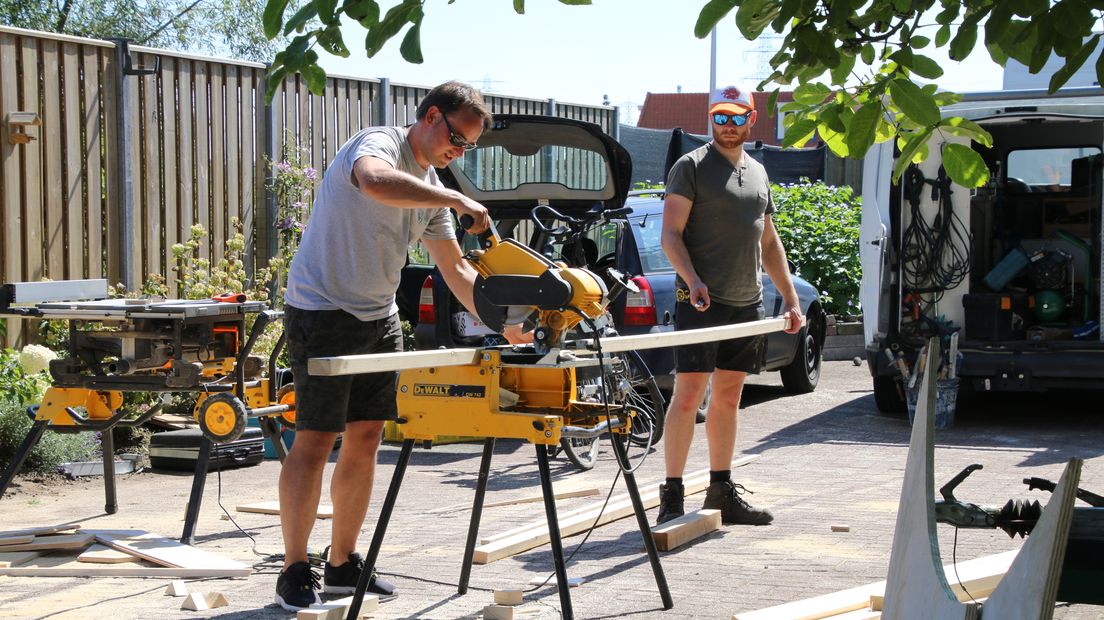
<point>480,217</point>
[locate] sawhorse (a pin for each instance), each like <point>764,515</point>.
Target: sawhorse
<point>477,510</point>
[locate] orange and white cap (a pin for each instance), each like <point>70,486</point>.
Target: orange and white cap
<point>731,99</point>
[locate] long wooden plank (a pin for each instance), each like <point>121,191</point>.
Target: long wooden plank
<point>41,531</point>
<point>202,162</point>
<point>218,162</point>
<point>91,82</point>
<point>166,551</point>
<point>33,266</point>
<point>558,492</point>
<point>690,526</point>
<point>15,540</point>
<point>978,576</point>
<point>151,206</point>
<point>53,183</point>
<point>64,541</point>
<point>381,362</point>
<point>73,186</point>
<point>234,154</point>
<point>273,508</point>
<point>617,508</point>
<point>174,232</point>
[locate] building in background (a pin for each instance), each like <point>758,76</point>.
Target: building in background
<point>690,111</point>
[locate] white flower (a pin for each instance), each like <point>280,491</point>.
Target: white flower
<point>35,358</point>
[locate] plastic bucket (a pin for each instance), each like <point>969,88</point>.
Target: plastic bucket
<point>946,395</point>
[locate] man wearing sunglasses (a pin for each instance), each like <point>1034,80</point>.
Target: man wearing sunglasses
<point>717,230</point>
<point>379,195</point>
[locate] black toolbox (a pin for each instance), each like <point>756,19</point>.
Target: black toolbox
<point>180,449</point>
<point>997,316</point>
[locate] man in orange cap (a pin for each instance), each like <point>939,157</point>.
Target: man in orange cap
<point>717,231</point>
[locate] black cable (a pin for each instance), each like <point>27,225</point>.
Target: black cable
<point>954,563</point>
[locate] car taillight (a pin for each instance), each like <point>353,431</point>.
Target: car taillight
<point>426,312</point>
<point>640,307</point>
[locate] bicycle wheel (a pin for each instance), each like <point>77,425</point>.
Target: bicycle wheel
<point>583,453</point>
<point>635,386</point>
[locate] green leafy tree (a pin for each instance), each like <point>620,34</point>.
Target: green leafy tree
<point>851,64</point>
<point>222,27</point>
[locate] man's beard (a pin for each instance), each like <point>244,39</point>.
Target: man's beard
<point>730,141</point>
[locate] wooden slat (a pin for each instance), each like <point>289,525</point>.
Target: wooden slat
<point>186,149</point>
<point>11,217</point>
<point>201,163</point>
<point>32,204</point>
<point>15,540</point>
<point>364,92</point>
<point>92,107</point>
<point>690,526</point>
<point>41,530</point>
<point>79,540</point>
<point>52,141</point>
<point>317,129</point>
<point>251,163</point>
<point>133,127</point>
<point>345,106</point>
<point>152,204</point>
<point>218,163</point>
<point>304,116</point>
<point>171,181</point>
<point>75,170</point>
<point>234,156</point>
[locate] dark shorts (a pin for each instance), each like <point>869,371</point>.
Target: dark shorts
<point>327,403</point>
<point>740,354</point>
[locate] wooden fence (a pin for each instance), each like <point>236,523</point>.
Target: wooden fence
<point>136,145</point>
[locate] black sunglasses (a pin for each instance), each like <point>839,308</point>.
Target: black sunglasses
<point>456,139</point>
<point>739,120</point>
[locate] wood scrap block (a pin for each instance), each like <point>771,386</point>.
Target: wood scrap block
<point>99,554</point>
<point>177,588</point>
<point>840,528</point>
<point>215,599</point>
<point>337,609</point>
<point>63,541</point>
<point>508,597</point>
<point>506,612</point>
<point>194,602</point>
<point>16,540</point>
<point>15,558</point>
<point>686,528</point>
<point>273,508</point>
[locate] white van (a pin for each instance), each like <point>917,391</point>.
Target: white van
<point>1013,267</point>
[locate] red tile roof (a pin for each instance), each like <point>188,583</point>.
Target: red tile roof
<point>690,112</point>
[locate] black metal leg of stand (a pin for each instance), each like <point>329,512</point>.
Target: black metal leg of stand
<point>196,498</point>
<point>477,512</point>
<point>21,454</point>
<point>381,529</point>
<point>271,431</point>
<point>107,445</point>
<point>554,532</point>
<point>642,521</point>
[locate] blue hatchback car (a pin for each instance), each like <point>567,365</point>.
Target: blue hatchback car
<point>797,357</point>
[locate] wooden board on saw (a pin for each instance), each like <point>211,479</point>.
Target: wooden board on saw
<point>167,552</point>
<point>273,508</point>
<point>536,533</point>
<point>682,530</point>
<point>54,541</point>
<point>99,554</point>
<point>979,576</point>
<point>65,564</point>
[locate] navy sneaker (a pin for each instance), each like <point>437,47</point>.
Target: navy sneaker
<point>343,579</point>
<point>296,587</point>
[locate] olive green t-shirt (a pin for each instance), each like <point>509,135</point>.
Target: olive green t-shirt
<point>725,226</point>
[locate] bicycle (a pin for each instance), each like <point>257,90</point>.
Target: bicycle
<point>627,380</point>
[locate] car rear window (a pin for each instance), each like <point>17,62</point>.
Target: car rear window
<point>646,231</point>
<point>495,169</point>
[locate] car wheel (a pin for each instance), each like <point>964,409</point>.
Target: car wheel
<point>888,396</point>
<point>803,373</point>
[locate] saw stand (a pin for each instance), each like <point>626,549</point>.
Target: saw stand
<point>477,510</point>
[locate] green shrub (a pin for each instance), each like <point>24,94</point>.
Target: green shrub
<point>52,449</point>
<point>16,385</point>
<point>819,226</point>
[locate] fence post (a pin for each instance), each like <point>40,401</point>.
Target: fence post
<point>549,161</point>
<point>385,116</point>
<point>122,238</point>
<point>615,123</point>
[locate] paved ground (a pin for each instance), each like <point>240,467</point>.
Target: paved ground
<point>824,458</point>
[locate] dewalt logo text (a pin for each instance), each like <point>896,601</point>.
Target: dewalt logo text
<point>447,391</point>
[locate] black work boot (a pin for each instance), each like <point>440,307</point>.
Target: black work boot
<point>725,496</point>
<point>670,502</point>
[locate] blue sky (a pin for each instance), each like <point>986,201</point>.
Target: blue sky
<point>578,54</point>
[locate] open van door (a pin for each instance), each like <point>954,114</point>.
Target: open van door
<point>874,244</point>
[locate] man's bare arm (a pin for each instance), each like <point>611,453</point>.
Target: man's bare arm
<point>379,180</point>
<point>676,211</point>
<point>774,263</point>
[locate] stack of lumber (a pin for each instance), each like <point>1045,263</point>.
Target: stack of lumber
<point>68,551</point>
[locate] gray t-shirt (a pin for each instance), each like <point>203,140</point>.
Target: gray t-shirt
<point>354,248</point>
<point>725,226</point>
